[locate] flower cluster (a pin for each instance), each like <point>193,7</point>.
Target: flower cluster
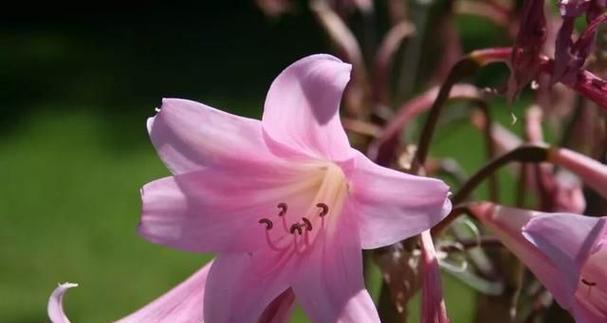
<point>287,203</point>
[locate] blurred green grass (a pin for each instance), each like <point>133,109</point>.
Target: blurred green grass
<point>69,211</point>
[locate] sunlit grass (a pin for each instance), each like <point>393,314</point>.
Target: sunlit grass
<point>69,211</point>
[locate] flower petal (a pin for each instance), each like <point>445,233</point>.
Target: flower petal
<point>182,304</point>
<point>218,209</point>
<point>584,314</point>
<point>507,224</point>
<point>189,135</point>
<point>392,205</point>
<point>433,304</point>
<point>301,110</point>
<point>241,286</point>
<point>55,303</point>
<point>565,238</point>
<point>329,285</point>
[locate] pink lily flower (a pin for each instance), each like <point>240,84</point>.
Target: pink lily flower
<point>566,252</point>
<point>577,246</point>
<point>183,304</point>
<point>286,203</point>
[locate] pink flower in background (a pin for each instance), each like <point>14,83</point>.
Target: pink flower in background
<point>275,8</point>
<point>561,191</point>
<point>286,203</point>
<point>592,172</point>
<point>577,247</point>
<point>567,253</point>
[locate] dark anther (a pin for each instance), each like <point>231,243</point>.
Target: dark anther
<point>588,282</point>
<point>324,209</point>
<point>267,222</point>
<point>307,224</point>
<point>283,208</point>
<point>296,227</point>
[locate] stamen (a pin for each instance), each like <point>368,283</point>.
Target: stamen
<point>267,222</point>
<point>324,209</point>
<point>271,244</point>
<point>307,223</point>
<point>296,227</point>
<point>588,283</point>
<point>298,247</point>
<point>284,224</point>
<point>283,208</point>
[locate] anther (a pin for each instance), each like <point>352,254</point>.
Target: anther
<point>296,227</point>
<point>307,224</point>
<point>267,222</point>
<point>283,208</point>
<point>589,283</point>
<point>324,209</point>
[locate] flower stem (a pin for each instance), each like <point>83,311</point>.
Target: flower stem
<point>529,154</point>
<point>465,67</point>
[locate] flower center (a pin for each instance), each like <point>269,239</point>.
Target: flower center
<point>591,290</point>
<point>311,214</point>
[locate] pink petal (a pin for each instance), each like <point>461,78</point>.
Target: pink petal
<point>593,298</point>
<point>585,315</point>
<point>182,304</point>
<point>392,205</point>
<point>433,305</point>
<point>218,209</point>
<point>55,303</point>
<point>189,135</point>
<point>241,286</point>
<point>329,285</point>
<point>301,110</point>
<point>593,173</point>
<point>566,239</point>
<point>567,192</point>
<point>507,224</point>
